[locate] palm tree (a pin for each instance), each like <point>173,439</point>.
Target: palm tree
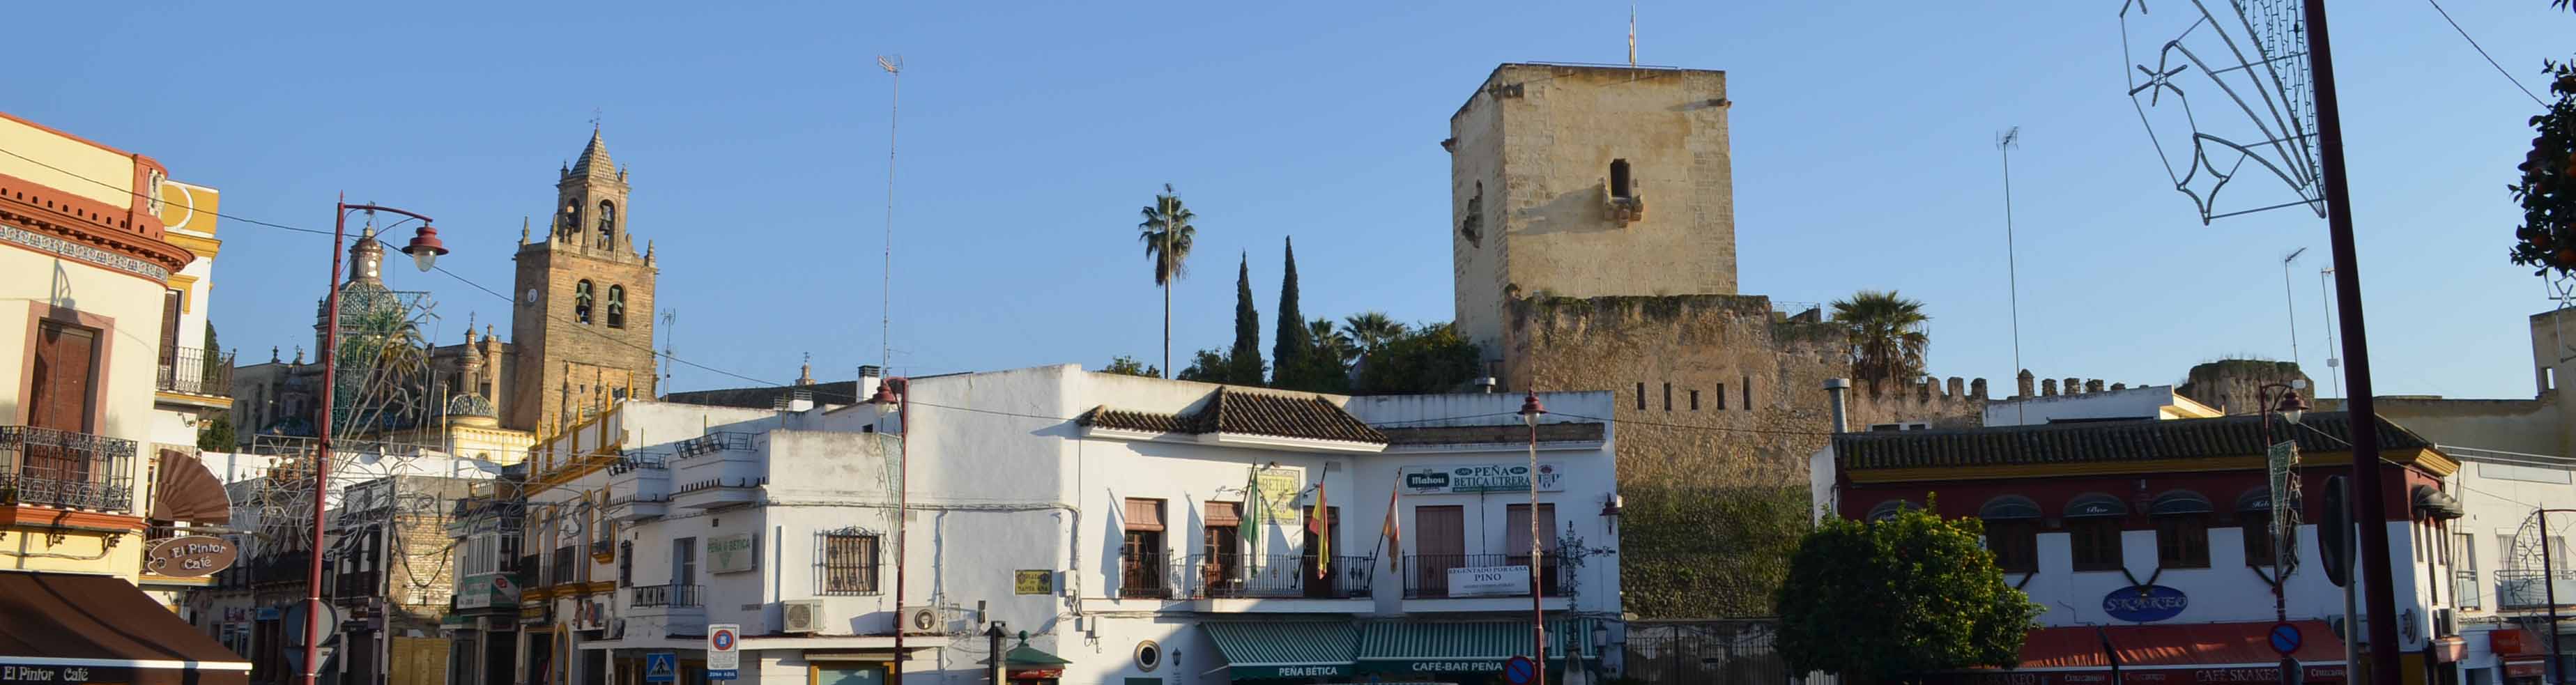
<point>1885,333</point>
<point>1330,345</point>
<point>1167,234</point>
<point>1372,329</point>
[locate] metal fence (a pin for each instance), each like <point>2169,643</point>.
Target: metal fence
<point>1713,652</point>
<point>55,468</point>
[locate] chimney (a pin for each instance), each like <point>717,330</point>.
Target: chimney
<point>1834,389</point>
<point>2048,387</point>
<point>2023,385</point>
<point>2074,385</point>
<point>870,376</point>
<point>2094,385</point>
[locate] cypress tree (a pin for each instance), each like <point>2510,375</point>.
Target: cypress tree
<point>1243,363</point>
<point>1288,352</point>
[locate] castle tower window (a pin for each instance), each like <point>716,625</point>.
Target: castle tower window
<point>616,305</point>
<point>1641,397</point>
<point>1619,179</point>
<point>1694,400</point>
<point>581,301</point>
<point>607,224</point>
<point>1668,397</point>
<point>1721,395</point>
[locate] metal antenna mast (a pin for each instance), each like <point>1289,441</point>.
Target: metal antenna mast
<point>885,322</point>
<point>2292,302</point>
<point>2012,269</point>
<point>2326,294</point>
<point>670,349</point>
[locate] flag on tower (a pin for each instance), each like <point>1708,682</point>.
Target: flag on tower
<point>1632,34</point>
<point>1319,525</point>
<point>1393,531</point>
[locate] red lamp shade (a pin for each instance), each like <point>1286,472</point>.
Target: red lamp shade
<point>425,248</point>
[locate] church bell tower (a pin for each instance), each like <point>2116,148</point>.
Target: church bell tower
<point>582,325</point>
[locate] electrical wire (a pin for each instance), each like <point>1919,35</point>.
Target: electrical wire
<point>2482,52</point>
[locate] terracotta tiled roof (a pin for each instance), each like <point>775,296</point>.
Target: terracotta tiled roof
<point>1498,433</point>
<point>2229,436</point>
<point>1232,410</point>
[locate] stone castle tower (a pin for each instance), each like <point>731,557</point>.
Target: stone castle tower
<point>1581,182</point>
<point>582,329</point>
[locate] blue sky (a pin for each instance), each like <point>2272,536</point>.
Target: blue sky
<point>757,139</point>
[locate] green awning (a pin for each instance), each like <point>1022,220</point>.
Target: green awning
<point>1285,649</point>
<point>1472,647</point>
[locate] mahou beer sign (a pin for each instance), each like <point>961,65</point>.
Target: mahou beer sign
<point>189,557</point>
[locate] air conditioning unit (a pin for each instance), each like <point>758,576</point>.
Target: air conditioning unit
<point>919,620</point>
<point>803,616</point>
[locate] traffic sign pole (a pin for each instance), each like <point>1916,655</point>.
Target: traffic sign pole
<point>724,658</point>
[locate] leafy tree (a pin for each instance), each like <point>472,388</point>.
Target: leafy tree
<point>218,435</point>
<point>1885,334</point>
<point>1288,347</point>
<point>1167,234</point>
<point>216,363</point>
<point>1371,330</point>
<point>1695,551</point>
<point>1325,365</point>
<point>1243,362</point>
<point>1912,594</point>
<point>2546,239</point>
<point>1208,366</point>
<point>1128,366</point>
<point>1430,358</point>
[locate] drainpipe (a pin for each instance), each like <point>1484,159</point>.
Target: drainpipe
<point>1835,388</point>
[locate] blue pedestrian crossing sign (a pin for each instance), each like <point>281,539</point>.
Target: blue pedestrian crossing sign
<point>661,667</point>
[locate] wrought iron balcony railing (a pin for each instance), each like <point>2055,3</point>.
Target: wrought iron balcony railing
<point>664,595</point>
<point>1427,576</point>
<point>56,468</point>
<point>2530,589</point>
<point>1232,576</point>
<point>198,371</point>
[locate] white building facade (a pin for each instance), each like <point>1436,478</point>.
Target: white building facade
<point>1115,528</point>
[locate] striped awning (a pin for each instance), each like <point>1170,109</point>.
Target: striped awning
<point>1284,649</point>
<point>1464,647</point>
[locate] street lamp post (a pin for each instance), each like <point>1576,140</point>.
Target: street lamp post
<point>424,249</point>
<point>893,397</point>
<point>1530,411</point>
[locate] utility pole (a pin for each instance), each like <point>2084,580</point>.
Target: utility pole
<point>2333,364</point>
<point>2372,510</point>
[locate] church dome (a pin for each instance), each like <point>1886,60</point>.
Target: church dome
<point>469,405</point>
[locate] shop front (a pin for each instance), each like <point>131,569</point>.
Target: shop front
<point>65,629</point>
<point>2187,654</point>
<point>1286,652</point>
<point>1471,653</point>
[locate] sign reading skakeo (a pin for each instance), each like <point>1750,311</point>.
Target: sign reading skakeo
<point>1476,478</point>
<point>2145,604</point>
<point>189,557</point>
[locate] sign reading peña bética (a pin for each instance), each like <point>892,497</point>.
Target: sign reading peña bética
<point>1480,478</point>
<point>731,553</point>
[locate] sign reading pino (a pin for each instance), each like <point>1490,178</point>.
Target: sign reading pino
<point>189,557</point>
<point>1481,478</point>
<point>1489,581</point>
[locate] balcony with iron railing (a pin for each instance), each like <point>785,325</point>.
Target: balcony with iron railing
<point>665,610</point>
<point>44,467</point>
<point>1464,576</point>
<point>1238,581</point>
<point>664,595</point>
<point>566,567</point>
<point>197,371</point>
<point>2525,590</point>
<point>2465,591</point>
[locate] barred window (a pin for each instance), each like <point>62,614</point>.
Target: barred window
<point>847,564</point>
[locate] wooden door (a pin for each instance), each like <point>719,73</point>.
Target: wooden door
<point>1440,544</point>
<point>65,384</point>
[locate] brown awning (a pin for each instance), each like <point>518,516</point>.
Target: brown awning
<point>81,628</point>
<point>188,492</point>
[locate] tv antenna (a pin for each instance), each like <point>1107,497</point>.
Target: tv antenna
<point>2292,302</point>
<point>2011,138</point>
<point>670,326</point>
<point>892,64</point>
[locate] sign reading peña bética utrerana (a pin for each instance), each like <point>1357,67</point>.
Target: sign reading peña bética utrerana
<point>1481,478</point>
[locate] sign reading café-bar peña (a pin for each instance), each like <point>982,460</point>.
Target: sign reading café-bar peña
<point>1481,478</point>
